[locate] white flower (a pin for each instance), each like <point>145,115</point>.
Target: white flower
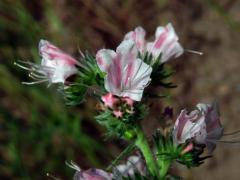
<point>126,75</point>
<point>138,36</point>
<point>56,66</point>
<point>165,44</point>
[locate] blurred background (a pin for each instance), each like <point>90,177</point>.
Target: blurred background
<point>38,133</point>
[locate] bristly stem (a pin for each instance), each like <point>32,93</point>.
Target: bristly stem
<point>164,166</point>
<point>142,144</point>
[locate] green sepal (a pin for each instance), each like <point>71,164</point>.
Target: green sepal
<point>167,150</point>
<point>88,78</point>
<point>123,127</point>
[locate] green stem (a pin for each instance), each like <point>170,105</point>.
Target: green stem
<point>164,166</point>
<point>142,144</point>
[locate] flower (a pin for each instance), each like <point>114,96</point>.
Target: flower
<point>134,164</point>
<point>90,174</point>
<point>165,45</point>
<point>56,66</point>
<point>202,125</point>
<point>109,100</point>
<point>138,36</point>
<point>126,75</point>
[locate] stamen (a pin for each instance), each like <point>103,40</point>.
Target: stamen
<point>73,165</point>
<point>23,67</point>
<point>35,82</point>
<point>51,176</point>
<point>40,76</point>
<point>80,52</point>
<point>193,52</point>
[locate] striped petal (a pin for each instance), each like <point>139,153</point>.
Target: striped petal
<point>138,36</point>
<point>166,44</point>
<point>104,58</point>
<point>57,64</point>
<point>126,75</point>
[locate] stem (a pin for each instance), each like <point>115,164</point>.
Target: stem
<point>142,144</point>
<point>164,164</point>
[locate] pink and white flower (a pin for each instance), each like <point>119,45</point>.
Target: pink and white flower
<point>59,65</point>
<point>90,174</point>
<point>202,125</point>
<point>126,75</point>
<point>165,44</point>
<point>56,66</point>
<point>138,36</point>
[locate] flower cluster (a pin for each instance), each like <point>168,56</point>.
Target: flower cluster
<point>56,66</point>
<point>126,72</point>
<point>119,79</point>
<point>119,106</point>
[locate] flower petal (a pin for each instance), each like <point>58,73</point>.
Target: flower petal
<point>190,126</point>
<point>57,64</point>
<point>166,43</point>
<point>138,36</point>
<point>104,58</point>
<point>126,76</point>
<point>52,55</point>
<point>213,124</point>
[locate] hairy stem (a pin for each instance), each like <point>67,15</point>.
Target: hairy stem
<point>164,166</point>
<point>142,144</point>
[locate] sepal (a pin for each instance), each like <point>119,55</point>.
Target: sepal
<point>88,79</point>
<point>123,127</point>
<point>188,154</point>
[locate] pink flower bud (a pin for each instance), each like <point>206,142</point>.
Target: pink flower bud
<point>109,100</point>
<point>188,148</point>
<point>118,113</point>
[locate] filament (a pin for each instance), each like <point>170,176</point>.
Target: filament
<point>193,52</point>
<point>35,82</point>
<point>51,176</point>
<point>23,67</point>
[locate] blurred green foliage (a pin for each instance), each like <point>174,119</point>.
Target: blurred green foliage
<point>38,132</point>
